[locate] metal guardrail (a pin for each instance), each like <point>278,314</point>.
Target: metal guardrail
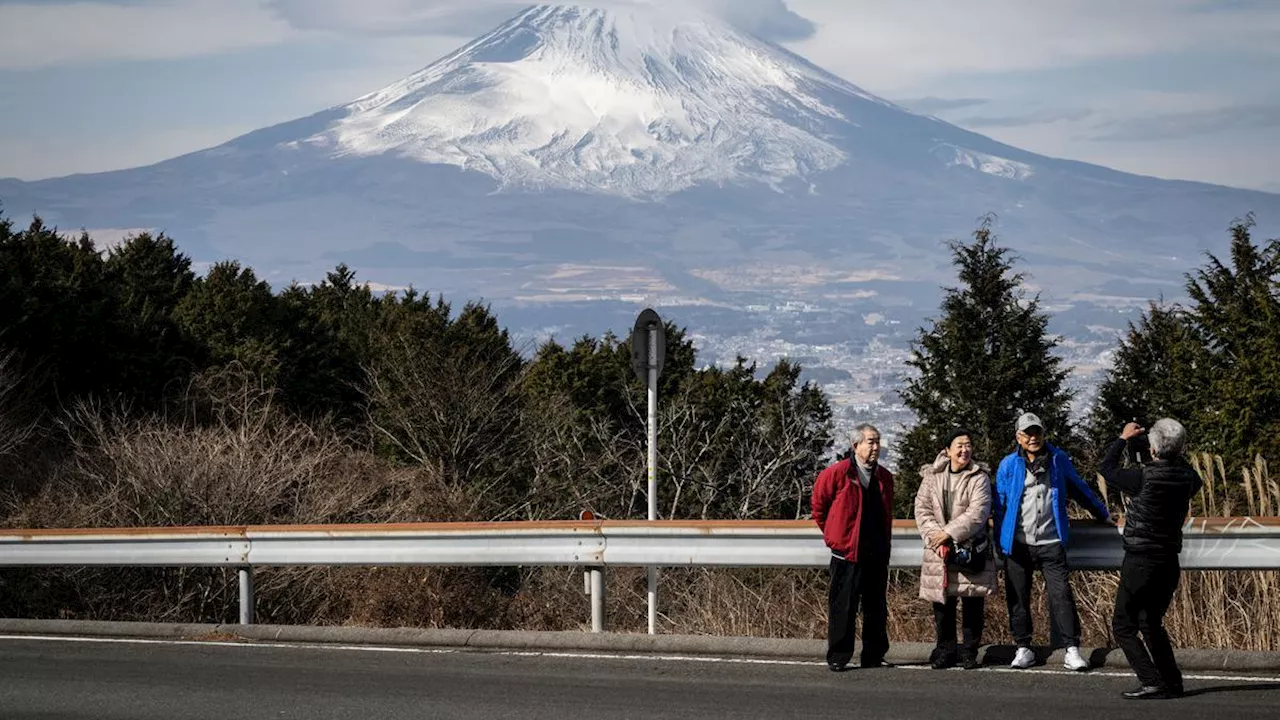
<point>1209,544</point>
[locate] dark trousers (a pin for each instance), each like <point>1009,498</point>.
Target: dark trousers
<point>1051,560</point>
<point>1147,585</point>
<point>971,617</point>
<point>865,583</point>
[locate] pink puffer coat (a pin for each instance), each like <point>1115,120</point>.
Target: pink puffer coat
<point>970,510</point>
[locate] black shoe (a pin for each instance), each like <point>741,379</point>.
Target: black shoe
<point>837,667</point>
<point>1150,692</point>
<point>970,662</point>
<point>942,661</point>
<point>867,665</point>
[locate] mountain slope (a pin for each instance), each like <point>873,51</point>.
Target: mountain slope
<point>630,138</point>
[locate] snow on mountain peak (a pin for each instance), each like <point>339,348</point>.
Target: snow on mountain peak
<point>632,100</point>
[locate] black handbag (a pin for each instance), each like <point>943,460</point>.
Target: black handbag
<point>971,555</point>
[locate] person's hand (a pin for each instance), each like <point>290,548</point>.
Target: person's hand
<point>942,551</point>
<point>1132,430</point>
<point>938,539</point>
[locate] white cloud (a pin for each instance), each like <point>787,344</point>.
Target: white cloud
<point>1174,126</point>
<point>41,34</point>
<point>769,18</point>
<point>1236,159</point>
<point>889,45</point>
<point>1000,50</point>
<point>38,34</point>
<point>1042,116</point>
<point>396,17</point>
<point>885,45</point>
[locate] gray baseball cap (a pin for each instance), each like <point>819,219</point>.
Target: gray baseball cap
<point>1029,420</point>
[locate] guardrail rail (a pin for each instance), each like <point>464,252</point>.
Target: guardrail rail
<point>1240,543</point>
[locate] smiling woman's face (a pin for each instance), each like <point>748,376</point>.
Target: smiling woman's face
<point>960,451</point>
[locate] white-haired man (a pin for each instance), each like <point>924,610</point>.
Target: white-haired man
<point>853,505</point>
<point>1162,491</point>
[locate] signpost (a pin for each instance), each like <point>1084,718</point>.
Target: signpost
<point>648,352</point>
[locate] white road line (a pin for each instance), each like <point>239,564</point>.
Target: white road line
<point>224,643</point>
<point>594,656</point>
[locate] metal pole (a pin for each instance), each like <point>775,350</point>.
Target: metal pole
<point>246,596</point>
<point>598,623</point>
<point>653,468</point>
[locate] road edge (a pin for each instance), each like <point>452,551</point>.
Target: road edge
<point>538,641</point>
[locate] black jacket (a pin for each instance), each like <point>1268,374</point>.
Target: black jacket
<point>1162,491</point>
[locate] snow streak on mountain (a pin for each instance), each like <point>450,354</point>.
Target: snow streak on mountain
<point>633,102</point>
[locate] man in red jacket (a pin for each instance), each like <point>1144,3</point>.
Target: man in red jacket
<point>853,504</point>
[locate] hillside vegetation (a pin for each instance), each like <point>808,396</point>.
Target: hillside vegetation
<point>135,392</point>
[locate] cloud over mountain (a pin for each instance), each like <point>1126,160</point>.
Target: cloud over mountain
<point>771,19</point>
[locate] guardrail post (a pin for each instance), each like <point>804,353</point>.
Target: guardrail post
<point>246,596</point>
<point>598,622</point>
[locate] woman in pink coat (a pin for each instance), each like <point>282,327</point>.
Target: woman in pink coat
<point>952,509</point>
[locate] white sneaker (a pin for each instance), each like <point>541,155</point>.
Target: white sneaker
<point>1074,661</point>
<point>1023,659</point>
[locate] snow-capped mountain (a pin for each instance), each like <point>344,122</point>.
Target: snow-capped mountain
<point>630,102</point>
<point>623,102</point>
<point>636,152</point>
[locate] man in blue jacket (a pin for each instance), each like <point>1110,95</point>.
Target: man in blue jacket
<point>1029,507</point>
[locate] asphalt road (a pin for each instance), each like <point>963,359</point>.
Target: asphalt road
<point>43,679</point>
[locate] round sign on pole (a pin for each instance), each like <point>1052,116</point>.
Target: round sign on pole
<point>648,353</point>
<point>640,344</point>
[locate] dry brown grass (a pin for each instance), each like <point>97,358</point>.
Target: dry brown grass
<point>253,465</point>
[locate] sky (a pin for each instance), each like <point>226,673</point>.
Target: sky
<point>1186,89</point>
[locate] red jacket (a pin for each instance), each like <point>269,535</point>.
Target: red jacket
<point>837,506</point>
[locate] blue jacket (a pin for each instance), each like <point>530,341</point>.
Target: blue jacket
<point>1006,502</point>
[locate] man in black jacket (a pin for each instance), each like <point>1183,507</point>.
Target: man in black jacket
<point>1162,490</point>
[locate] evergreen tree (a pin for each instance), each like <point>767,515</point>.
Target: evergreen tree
<point>597,374</point>
<point>1157,371</point>
<point>330,332</point>
<point>236,319</point>
<point>1236,311</point>
<point>55,310</point>
<point>1211,364</point>
<point>987,359</point>
<point>148,278</point>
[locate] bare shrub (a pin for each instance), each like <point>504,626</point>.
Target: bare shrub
<point>229,457</point>
<point>734,464</point>
<point>579,464</point>
<point>452,408</point>
<point>17,418</point>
